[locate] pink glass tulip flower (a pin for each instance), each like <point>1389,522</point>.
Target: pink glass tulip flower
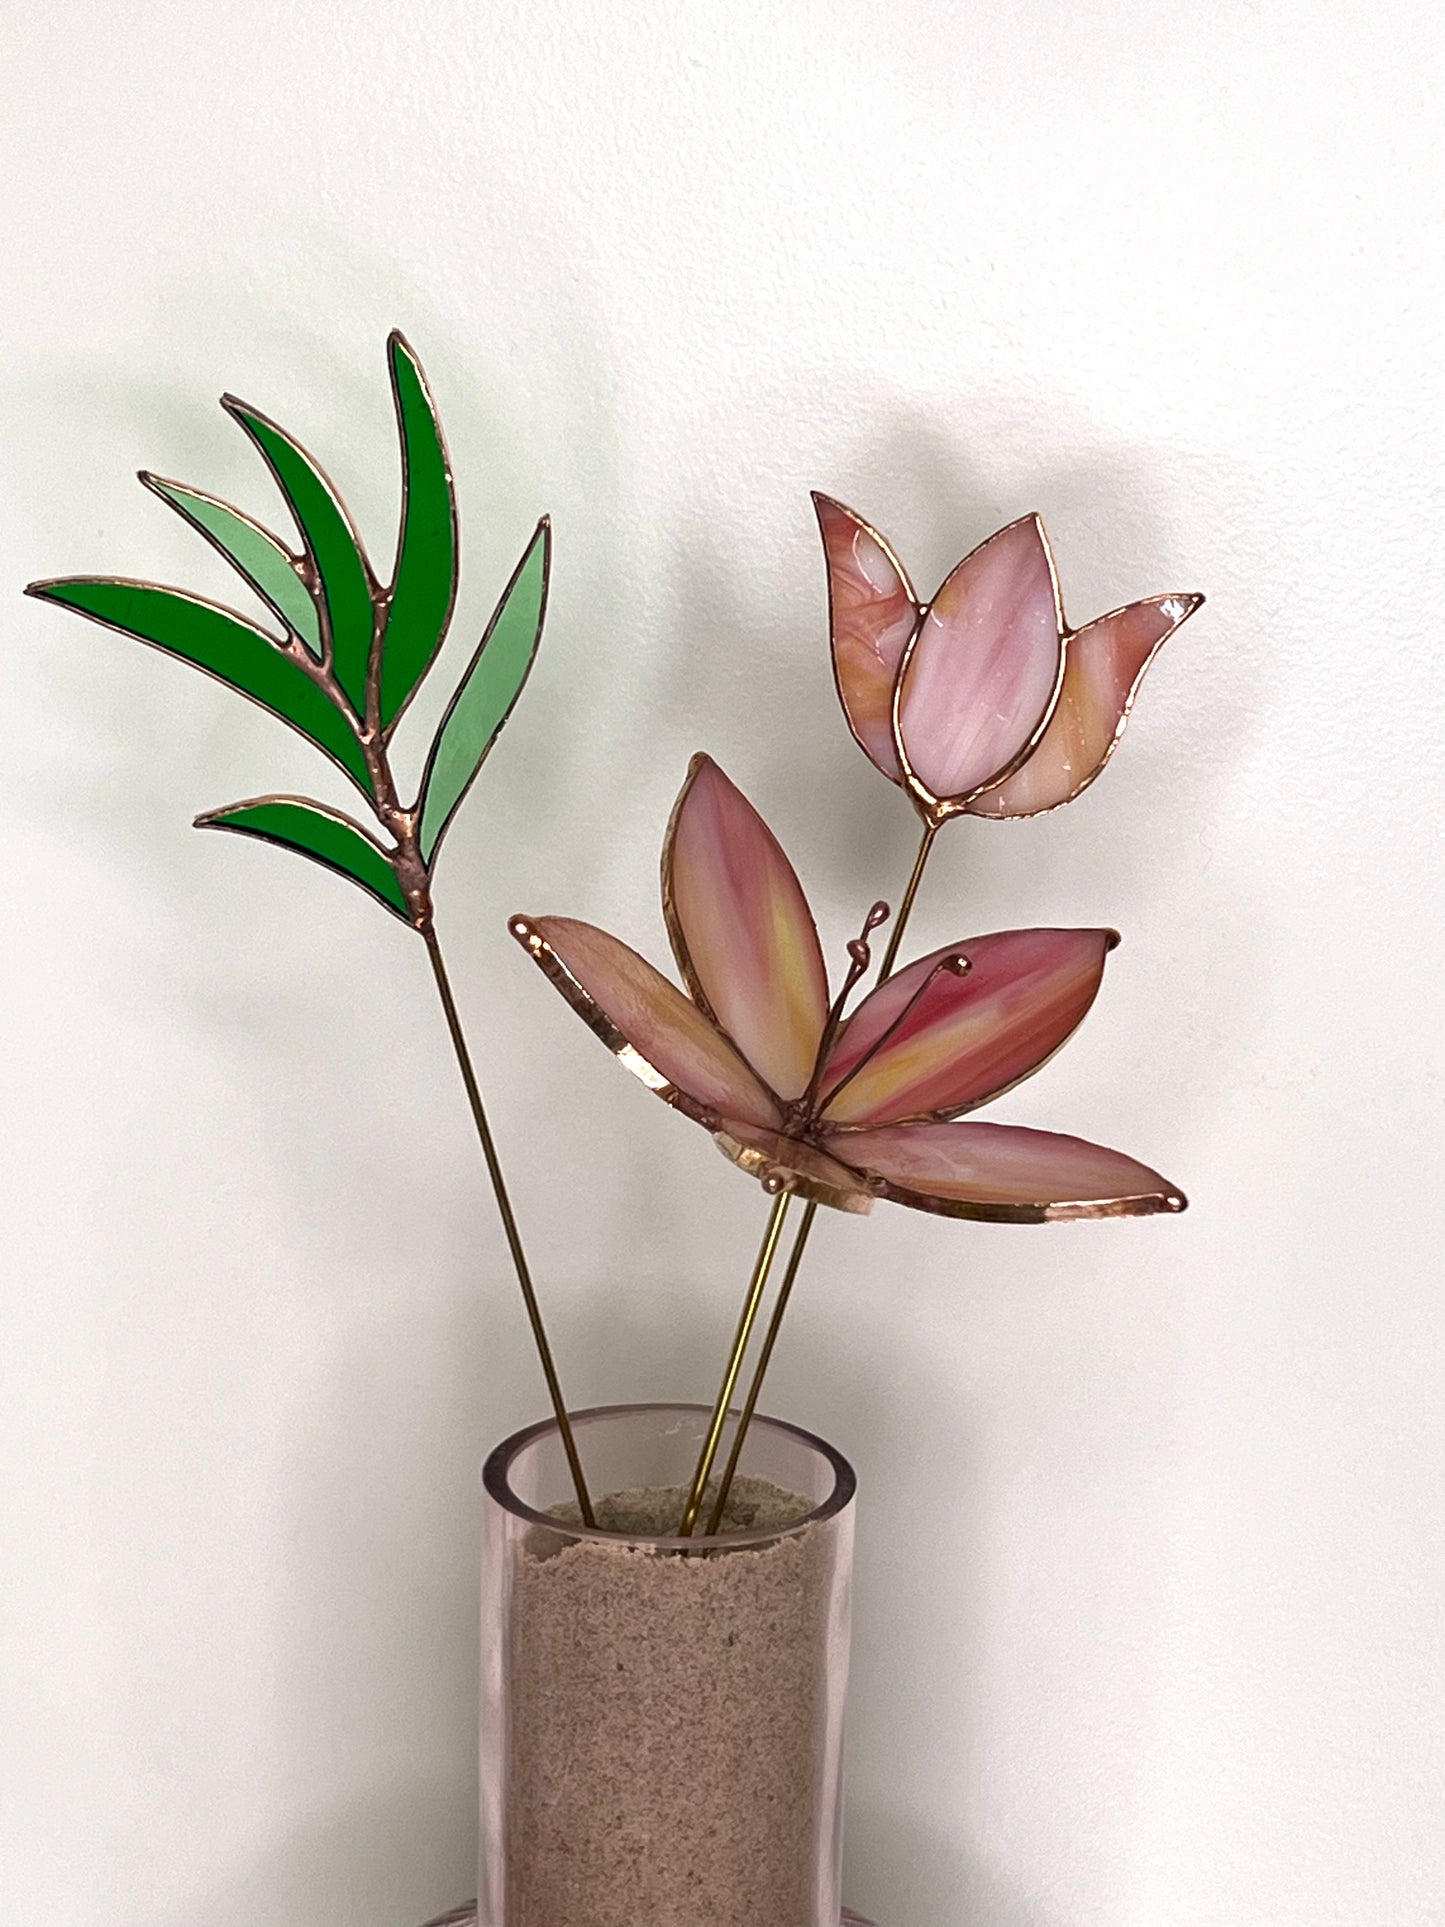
<point>983,700</point>
<point>843,1109</point>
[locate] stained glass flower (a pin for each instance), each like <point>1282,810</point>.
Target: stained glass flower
<point>982,700</point>
<point>843,1109</point>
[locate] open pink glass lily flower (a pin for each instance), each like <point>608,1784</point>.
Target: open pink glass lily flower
<point>982,700</point>
<point>843,1109</point>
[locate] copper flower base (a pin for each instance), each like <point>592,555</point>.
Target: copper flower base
<point>467,1917</point>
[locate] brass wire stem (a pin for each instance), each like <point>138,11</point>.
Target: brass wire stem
<point>762,1265</point>
<point>920,863</point>
<point>745,1419</point>
<point>795,1256</point>
<point>509,1224</point>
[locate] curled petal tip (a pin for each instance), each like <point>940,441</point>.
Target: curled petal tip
<point>1112,940</point>
<point>1177,608</point>
<point>1176,1202</point>
<point>524,930</point>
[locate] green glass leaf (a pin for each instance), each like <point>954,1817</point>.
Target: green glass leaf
<point>424,586</point>
<point>330,541</point>
<point>225,646</point>
<point>488,691</point>
<point>267,565</point>
<point>327,837</point>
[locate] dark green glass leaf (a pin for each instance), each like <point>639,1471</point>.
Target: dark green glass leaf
<point>266,564</point>
<point>324,835</point>
<point>331,542</point>
<point>487,692</point>
<point>232,650</point>
<point>425,584</point>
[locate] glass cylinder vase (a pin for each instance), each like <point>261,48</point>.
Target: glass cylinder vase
<point>662,1717</point>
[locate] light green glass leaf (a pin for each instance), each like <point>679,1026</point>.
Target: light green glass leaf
<point>425,584</point>
<point>488,691</point>
<point>225,646</point>
<point>331,542</point>
<point>266,564</point>
<point>327,837</point>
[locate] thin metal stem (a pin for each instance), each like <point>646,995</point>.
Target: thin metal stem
<point>795,1256</point>
<point>920,863</point>
<point>509,1224</point>
<point>957,966</point>
<point>762,1265</point>
<point>750,1406</point>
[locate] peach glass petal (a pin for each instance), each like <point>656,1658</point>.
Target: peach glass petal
<point>742,931</point>
<point>1003,1171</point>
<point>1103,667</point>
<point>803,1168</point>
<point>967,1038</point>
<point>985,667</point>
<point>871,615</point>
<point>660,1035</point>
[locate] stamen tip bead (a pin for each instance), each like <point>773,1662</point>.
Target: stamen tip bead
<point>773,1182</point>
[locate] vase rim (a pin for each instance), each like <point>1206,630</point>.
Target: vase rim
<point>496,1479</point>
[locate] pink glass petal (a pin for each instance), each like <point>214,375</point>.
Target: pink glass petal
<point>985,668</point>
<point>1103,667</point>
<point>1004,1172</point>
<point>660,1035</point>
<point>791,1164</point>
<point>966,1039</point>
<point>871,615</point>
<point>741,929</point>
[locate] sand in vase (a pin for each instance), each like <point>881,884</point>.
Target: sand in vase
<point>668,1719</point>
<point>467,1917</point>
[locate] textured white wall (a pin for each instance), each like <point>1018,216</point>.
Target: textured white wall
<point>1148,1618</point>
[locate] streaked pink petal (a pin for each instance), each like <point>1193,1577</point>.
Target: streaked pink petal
<point>1005,1172</point>
<point>966,1039</point>
<point>793,1165</point>
<point>1103,667</point>
<point>985,667</point>
<point>871,615</point>
<point>741,929</point>
<point>660,1035</point>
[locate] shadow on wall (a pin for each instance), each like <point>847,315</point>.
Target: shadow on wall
<point>397,1851</point>
<point>913,1876</point>
<point>899,1871</point>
